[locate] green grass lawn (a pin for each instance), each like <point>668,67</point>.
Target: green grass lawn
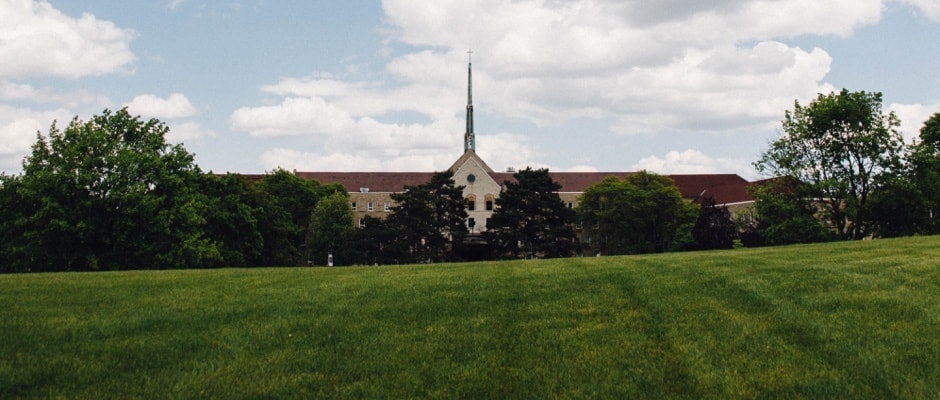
<point>844,320</point>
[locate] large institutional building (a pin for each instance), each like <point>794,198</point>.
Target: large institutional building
<point>370,192</point>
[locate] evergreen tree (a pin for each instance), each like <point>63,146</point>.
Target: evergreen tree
<point>427,220</point>
<point>713,228</point>
<point>531,219</point>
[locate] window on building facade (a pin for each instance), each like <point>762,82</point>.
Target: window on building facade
<point>471,205</point>
<point>369,206</point>
<point>361,223</point>
<point>354,206</point>
<point>489,205</point>
<point>387,206</point>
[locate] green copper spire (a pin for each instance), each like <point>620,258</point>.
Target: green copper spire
<point>469,139</point>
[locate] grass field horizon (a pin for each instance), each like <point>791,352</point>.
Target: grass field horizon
<point>837,320</point>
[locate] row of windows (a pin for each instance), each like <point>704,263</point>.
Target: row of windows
<point>387,206</point>
<point>471,205</point>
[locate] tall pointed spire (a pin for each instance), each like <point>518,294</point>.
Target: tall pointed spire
<point>469,138</point>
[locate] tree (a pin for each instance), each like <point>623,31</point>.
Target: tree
<point>841,147</point>
<point>373,243</point>
<point>784,215</point>
<point>108,193</point>
<point>925,174</point>
<point>232,219</point>
<point>428,219</point>
<point>331,226</point>
<point>640,214</point>
<point>713,228</point>
<point>531,218</point>
<point>287,205</point>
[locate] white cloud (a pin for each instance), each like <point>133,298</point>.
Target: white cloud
<point>70,47</point>
<point>187,131</point>
<point>913,117</point>
<point>681,65</point>
<point>930,8</point>
<point>693,162</point>
<point>294,116</point>
<point>707,68</point>
<point>150,106</point>
<point>172,4</point>
<point>18,91</point>
<point>18,128</point>
<point>504,150</point>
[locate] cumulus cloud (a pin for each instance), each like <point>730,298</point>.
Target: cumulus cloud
<point>70,47</point>
<point>187,131</point>
<point>294,116</point>
<point>18,128</point>
<point>912,118</point>
<point>681,65</point>
<point>11,91</point>
<point>693,162</point>
<point>174,106</point>
<point>930,8</point>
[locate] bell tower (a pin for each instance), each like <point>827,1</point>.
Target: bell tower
<point>469,138</point>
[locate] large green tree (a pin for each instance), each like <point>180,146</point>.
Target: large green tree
<point>925,166</point>
<point>233,214</point>
<point>427,220</point>
<point>908,204</point>
<point>287,203</point>
<point>640,214</point>
<point>714,228</point>
<point>331,227</point>
<point>108,193</point>
<point>531,219</point>
<point>841,147</point>
<point>785,215</point>
<point>372,243</point>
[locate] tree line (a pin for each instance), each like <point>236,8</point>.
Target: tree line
<point>842,171</point>
<point>110,193</point>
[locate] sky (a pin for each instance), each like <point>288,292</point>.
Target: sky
<point>670,86</point>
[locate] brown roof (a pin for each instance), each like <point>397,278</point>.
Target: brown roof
<point>691,186</point>
<point>728,194</point>
<point>373,181</point>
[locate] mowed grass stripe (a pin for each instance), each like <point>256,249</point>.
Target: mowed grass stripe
<point>857,319</point>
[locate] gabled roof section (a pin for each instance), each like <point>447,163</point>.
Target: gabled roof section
<point>736,193</point>
<point>693,185</point>
<point>576,182</point>
<point>470,155</point>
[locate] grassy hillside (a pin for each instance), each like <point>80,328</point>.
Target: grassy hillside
<point>845,320</point>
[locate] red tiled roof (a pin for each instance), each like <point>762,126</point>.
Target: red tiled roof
<point>728,194</point>
<point>724,186</point>
<point>374,181</point>
<point>692,186</point>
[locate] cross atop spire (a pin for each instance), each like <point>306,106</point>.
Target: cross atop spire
<point>469,138</point>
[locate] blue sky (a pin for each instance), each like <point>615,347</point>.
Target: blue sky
<point>673,86</point>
